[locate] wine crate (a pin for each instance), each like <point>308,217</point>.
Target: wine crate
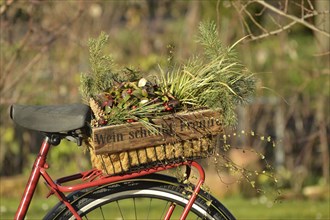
<point>171,128</point>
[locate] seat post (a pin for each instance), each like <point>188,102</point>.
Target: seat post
<point>33,179</point>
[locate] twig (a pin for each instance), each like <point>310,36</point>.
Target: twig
<point>294,18</point>
<point>218,11</point>
<point>254,21</point>
<point>261,12</point>
<point>244,24</point>
<point>310,5</point>
<point>322,54</point>
<point>282,28</point>
<point>286,6</point>
<point>275,22</point>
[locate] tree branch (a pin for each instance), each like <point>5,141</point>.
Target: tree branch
<point>293,18</point>
<point>283,28</point>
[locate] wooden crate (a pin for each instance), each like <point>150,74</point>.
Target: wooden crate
<point>172,128</point>
<point>123,148</point>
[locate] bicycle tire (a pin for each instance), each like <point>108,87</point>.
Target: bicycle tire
<point>154,187</point>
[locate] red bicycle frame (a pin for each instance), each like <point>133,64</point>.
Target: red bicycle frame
<point>95,178</point>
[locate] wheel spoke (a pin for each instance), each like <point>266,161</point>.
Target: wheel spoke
<point>164,210</point>
<point>121,213</point>
<point>134,209</point>
<point>149,208</point>
<point>102,212</point>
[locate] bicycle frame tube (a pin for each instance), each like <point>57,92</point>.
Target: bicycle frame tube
<point>111,179</point>
<point>196,190</point>
<point>39,163</point>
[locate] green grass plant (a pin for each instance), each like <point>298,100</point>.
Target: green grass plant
<point>214,79</point>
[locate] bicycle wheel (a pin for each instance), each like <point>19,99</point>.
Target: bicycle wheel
<point>148,197</point>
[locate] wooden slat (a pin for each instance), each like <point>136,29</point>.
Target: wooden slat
<point>174,128</point>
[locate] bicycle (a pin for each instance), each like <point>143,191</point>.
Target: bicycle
<point>97,195</point>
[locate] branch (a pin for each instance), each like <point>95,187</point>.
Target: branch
<point>291,17</point>
<point>254,21</point>
<point>239,12</point>
<point>283,28</point>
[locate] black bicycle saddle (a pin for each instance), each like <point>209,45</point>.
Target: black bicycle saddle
<point>51,118</point>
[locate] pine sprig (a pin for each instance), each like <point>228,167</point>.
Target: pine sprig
<point>208,38</point>
<point>102,72</point>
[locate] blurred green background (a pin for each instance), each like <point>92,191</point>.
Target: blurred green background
<point>44,49</point>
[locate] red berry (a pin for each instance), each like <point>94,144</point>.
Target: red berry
<point>102,121</point>
<point>130,120</point>
<point>105,103</point>
<point>167,107</point>
<point>129,91</point>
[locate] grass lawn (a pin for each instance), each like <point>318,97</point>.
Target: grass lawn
<point>288,209</point>
<point>242,208</point>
